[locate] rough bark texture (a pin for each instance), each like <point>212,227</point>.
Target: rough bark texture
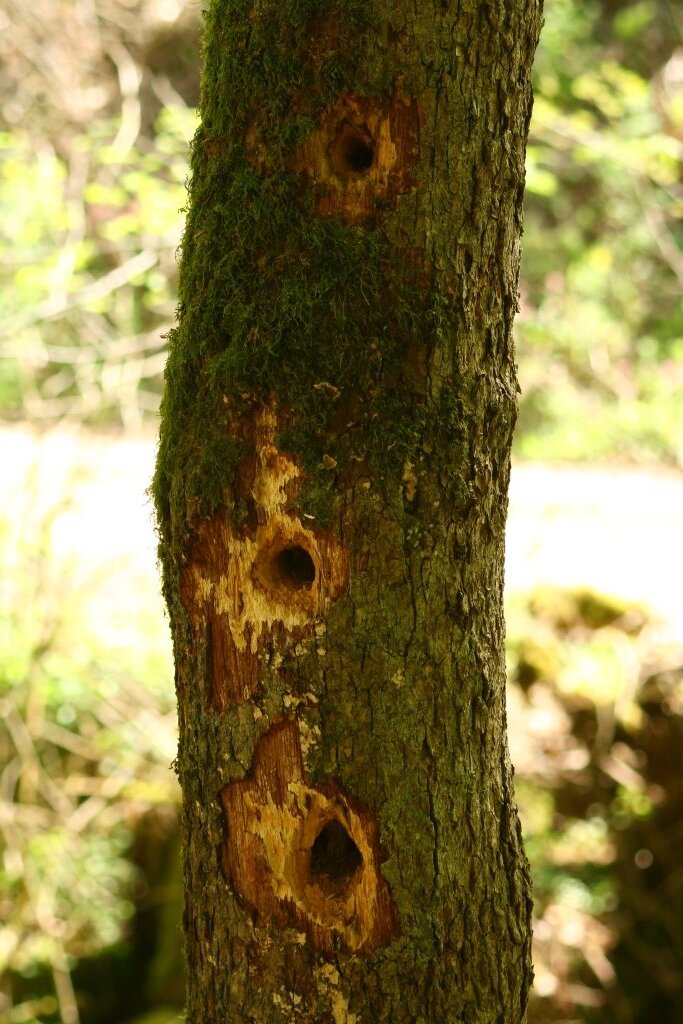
<point>331,493</point>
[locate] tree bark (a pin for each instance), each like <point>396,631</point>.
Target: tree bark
<point>331,494</point>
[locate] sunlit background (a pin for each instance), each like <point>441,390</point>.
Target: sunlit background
<point>98,104</point>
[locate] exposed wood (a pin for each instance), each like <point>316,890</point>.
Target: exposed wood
<point>302,856</point>
<point>361,156</point>
<point>243,588</point>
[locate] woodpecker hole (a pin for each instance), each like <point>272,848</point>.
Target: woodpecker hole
<point>335,858</point>
<point>352,152</point>
<point>293,567</point>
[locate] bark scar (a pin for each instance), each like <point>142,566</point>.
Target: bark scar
<point>303,856</point>
<point>361,156</point>
<point>241,588</point>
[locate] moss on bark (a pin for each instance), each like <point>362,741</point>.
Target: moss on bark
<point>362,290</point>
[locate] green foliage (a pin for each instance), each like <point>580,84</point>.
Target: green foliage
<point>86,736</point>
<point>600,335</point>
<point>89,287</point>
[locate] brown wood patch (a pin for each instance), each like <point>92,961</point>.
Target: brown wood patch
<point>302,856</point>
<point>361,156</point>
<point>242,589</point>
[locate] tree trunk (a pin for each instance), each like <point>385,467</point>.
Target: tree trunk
<point>331,495</point>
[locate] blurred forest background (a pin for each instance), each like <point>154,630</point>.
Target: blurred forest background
<point>98,106</point>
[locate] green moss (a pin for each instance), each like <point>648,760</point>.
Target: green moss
<point>274,301</point>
